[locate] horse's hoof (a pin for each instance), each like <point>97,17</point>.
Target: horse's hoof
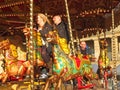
<point>2,84</point>
<point>27,76</point>
<point>20,79</point>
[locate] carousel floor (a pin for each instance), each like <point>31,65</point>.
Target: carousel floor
<point>25,85</point>
<point>19,85</point>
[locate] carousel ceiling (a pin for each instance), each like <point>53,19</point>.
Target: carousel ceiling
<point>84,14</point>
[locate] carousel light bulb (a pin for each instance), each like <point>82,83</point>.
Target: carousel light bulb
<point>90,12</point>
<point>31,48</point>
<point>104,11</point>
<point>94,11</point>
<point>30,52</point>
<point>30,42</point>
<point>101,10</point>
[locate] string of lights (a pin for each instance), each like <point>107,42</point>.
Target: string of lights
<point>14,4</point>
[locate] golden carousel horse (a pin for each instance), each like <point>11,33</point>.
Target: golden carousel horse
<point>104,68</point>
<point>66,67</point>
<point>103,58</point>
<point>13,66</point>
<point>37,43</point>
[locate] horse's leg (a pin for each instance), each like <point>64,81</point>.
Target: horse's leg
<point>47,85</point>
<point>27,65</point>
<point>50,80</point>
<point>58,84</point>
<point>4,77</point>
<point>105,78</point>
<point>21,70</point>
<point>80,82</point>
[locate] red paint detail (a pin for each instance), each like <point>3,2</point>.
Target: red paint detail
<point>78,62</point>
<point>81,85</point>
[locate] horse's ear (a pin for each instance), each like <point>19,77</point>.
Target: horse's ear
<point>55,31</point>
<point>26,30</point>
<point>7,40</point>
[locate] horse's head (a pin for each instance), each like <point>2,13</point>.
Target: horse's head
<point>52,37</point>
<point>4,44</point>
<point>103,44</point>
<point>26,31</point>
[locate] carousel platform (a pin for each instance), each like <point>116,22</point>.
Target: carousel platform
<point>25,85</point>
<point>39,85</point>
<point>21,85</point>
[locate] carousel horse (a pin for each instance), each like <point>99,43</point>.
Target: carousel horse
<point>13,67</point>
<point>104,69</point>
<point>39,64</point>
<point>37,42</point>
<point>68,67</point>
<point>103,58</point>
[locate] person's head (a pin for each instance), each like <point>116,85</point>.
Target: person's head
<point>57,19</point>
<point>83,45</point>
<point>42,19</point>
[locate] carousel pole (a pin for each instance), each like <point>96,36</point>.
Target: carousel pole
<point>27,48</point>
<point>114,54</point>
<point>78,42</point>
<point>26,26</point>
<point>70,28</point>
<point>105,71</point>
<point>31,48</point>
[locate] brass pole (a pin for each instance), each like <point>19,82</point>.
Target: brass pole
<point>31,45</point>
<point>78,41</point>
<point>114,57</point>
<point>25,16</point>
<point>70,28</point>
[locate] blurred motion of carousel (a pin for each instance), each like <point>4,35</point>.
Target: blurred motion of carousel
<point>87,20</point>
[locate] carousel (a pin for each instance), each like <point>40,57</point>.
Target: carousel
<point>22,65</point>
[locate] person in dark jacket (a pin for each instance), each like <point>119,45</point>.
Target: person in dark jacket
<point>84,49</point>
<point>62,30</point>
<point>61,27</point>
<point>43,28</point>
<point>42,48</point>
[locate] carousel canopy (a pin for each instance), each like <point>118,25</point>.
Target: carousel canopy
<point>85,15</point>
